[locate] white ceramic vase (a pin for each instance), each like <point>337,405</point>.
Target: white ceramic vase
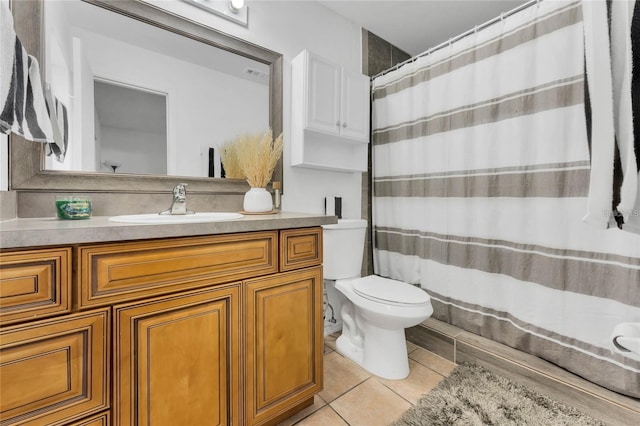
<point>257,200</point>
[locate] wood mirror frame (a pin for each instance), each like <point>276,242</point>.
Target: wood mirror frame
<point>26,165</point>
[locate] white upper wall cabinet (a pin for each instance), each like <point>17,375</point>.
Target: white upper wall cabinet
<point>354,111</point>
<point>330,115</point>
<point>337,101</point>
<point>323,96</point>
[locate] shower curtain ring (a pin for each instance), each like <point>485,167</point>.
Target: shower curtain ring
<point>501,16</point>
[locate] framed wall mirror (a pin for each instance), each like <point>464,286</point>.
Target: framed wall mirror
<point>148,105</point>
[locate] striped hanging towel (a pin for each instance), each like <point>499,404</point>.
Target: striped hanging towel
<point>609,64</point>
<point>631,210</point>
<point>621,69</point>
<point>23,110</point>
<point>60,125</point>
<point>598,70</point>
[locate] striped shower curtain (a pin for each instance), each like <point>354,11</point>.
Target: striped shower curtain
<point>480,177</point>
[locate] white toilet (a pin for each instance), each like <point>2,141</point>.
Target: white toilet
<point>377,310</point>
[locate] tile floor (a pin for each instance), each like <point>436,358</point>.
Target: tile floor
<point>352,396</point>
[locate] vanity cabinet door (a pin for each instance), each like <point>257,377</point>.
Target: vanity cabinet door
<point>55,371</point>
<point>176,359</point>
<point>284,341</point>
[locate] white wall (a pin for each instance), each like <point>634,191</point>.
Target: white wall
<point>288,27</point>
<point>138,152</point>
<point>193,119</point>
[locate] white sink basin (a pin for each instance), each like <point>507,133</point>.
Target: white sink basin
<point>183,218</point>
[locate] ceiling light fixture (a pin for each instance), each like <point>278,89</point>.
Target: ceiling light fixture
<point>233,10</point>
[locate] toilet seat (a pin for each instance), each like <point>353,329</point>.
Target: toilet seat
<point>389,291</point>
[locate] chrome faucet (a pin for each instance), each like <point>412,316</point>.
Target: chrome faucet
<point>179,203</point>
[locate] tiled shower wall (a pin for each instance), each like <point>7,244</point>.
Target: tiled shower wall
<point>377,55</point>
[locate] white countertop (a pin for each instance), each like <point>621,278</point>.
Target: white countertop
<point>50,231</point>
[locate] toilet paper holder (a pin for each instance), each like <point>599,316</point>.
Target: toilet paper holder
<point>333,206</point>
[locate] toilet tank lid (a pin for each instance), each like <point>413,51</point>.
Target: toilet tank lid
<point>390,290</point>
<point>347,224</point>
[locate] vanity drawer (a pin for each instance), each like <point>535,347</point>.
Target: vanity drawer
<point>118,272</point>
<point>300,248</point>
<point>56,370</point>
<point>34,284</point>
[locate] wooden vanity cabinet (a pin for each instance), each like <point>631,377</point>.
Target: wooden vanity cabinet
<point>34,284</point>
<point>119,272</point>
<point>216,330</point>
<point>178,357</point>
<point>55,370</point>
<point>284,343</point>
<point>300,248</point>
<point>102,419</point>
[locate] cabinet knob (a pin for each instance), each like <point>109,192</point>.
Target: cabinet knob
<point>344,124</point>
<point>338,123</point>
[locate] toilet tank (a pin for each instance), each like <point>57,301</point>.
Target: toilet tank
<point>343,248</point>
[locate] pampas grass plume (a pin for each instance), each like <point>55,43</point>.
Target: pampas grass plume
<point>258,155</point>
<point>229,158</point>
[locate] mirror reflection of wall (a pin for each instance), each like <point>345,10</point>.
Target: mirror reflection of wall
<point>130,129</point>
<point>211,95</point>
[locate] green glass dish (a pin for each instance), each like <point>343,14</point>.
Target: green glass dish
<point>73,209</point>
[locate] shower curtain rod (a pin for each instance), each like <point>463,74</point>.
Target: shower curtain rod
<point>459,37</point>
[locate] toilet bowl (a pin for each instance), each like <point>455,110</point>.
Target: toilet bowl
<point>376,310</point>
